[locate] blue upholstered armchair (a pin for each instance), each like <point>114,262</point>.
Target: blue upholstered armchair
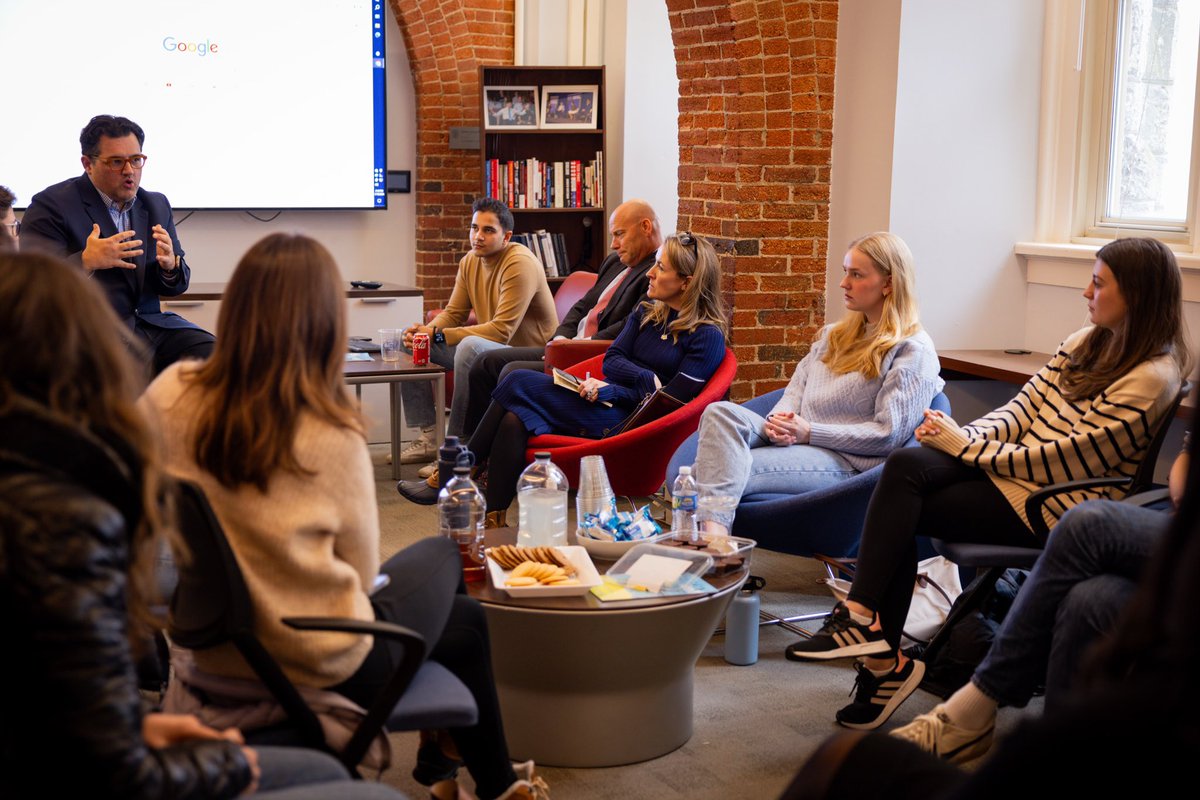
<point>827,522</point>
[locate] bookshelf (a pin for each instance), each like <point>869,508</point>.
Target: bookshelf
<point>582,222</point>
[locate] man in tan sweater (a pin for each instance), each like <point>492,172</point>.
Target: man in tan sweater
<point>505,285</point>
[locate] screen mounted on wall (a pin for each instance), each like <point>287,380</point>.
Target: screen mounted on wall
<point>246,104</point>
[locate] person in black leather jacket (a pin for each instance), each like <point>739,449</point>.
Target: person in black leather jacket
<point>77,510</point>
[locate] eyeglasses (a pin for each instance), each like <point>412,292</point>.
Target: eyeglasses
<point>117,163</point>
<point>14,228</point>
<point>688,240</point>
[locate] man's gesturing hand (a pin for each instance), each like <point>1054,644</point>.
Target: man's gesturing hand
<point>164,248</point>
<point>110,252</point>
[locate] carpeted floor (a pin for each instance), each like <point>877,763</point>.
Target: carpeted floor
<point>754,726</point>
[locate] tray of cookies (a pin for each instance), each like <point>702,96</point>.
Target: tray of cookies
<point>541,571</point>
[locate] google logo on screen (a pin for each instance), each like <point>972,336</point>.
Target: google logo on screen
<point>171,44</point>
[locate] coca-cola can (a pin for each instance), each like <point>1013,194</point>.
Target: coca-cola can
<point>420,348</point>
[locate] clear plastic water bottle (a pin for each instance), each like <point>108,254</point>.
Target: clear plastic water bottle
<point>542,504</point>
<point>683,503</point>
<point>461,512</point>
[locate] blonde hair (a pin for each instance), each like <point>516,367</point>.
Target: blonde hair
<point>702,300</point>
<point>280,353</point>
<point>851,347</point>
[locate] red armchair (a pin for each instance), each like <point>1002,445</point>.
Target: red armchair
<point>565,353</point>
<point>637,459</point>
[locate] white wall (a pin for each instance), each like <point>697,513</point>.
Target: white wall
<point>965,162</point>
<point>367,244</point>
<point>864,113</point>
<point>935,139</point>
<point>651,134</point>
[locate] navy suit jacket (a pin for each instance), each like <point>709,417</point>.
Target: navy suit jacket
<point>612,319</point>
<point>59,220</point>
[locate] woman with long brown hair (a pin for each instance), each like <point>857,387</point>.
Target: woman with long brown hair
<point>79,516</point>
<point>266,428</point>
<point>1090,412</point>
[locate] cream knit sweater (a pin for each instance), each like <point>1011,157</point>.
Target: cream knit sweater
<point>308,547</point>
<point>1039,437</point>
<point>509,295</point>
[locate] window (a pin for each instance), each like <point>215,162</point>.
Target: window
<point>1120,152</point>
<point>1118,136</point>
<point>1145,176</point>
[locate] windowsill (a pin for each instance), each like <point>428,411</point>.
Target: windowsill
<point>1070,265</point>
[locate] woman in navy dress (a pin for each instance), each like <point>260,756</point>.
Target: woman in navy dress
<point>680,330</point>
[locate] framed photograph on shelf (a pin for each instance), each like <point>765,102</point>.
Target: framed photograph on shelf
<point>569,107</point>
<point>510,107</point>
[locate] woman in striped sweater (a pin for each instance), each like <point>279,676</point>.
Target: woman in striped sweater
<point>1090,412</point>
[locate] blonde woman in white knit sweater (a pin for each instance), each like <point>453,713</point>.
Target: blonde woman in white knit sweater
<point>1090,412</point>
<point>855,397</point>
<point>265,426</point>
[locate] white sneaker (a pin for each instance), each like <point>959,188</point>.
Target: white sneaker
<point>427,470</point>
<point>935,733</point>
<point>420,451</point>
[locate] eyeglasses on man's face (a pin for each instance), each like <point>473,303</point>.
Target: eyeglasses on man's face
<point>117,163</point>
<point>14,228</point>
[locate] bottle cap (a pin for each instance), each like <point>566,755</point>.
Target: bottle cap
<point>462,471</point>
<point>685,470</point>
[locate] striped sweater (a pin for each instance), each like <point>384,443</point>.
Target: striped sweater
<point>1039,437</point>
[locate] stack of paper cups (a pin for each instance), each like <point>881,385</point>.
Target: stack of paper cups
<point>595,492</point>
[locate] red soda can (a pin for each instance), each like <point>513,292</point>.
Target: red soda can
<point>420,348</point>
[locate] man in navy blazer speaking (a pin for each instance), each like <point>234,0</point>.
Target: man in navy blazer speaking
<point>122,235</point>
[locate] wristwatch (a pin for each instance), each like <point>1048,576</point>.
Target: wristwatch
<point>438,337</point>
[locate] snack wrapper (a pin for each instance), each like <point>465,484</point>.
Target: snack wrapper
<point>610,525</point>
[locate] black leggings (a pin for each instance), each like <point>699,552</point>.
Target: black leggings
<point>500,440</point>
<point>924,492</point>
<point>427,594</point>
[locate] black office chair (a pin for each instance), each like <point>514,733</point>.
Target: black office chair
<point>992,559</point>
<point>211,606</point>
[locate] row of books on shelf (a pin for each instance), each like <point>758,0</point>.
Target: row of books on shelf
<point>550,249</point>
<point>530,183</point>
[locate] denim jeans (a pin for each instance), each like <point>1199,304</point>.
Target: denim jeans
<point>418,397</point>
<point>1074,594</point>
<point>294,773</point>
<point>734,455</point>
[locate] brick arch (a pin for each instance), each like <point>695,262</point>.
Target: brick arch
<point>447,42</point>
<point>755,130</point>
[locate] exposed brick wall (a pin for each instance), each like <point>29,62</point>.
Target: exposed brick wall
<point>755,125</point>
<point>448,40</point>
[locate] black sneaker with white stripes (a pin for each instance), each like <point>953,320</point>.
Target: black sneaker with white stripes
<point>876,699</point>
<point>839,637</point>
